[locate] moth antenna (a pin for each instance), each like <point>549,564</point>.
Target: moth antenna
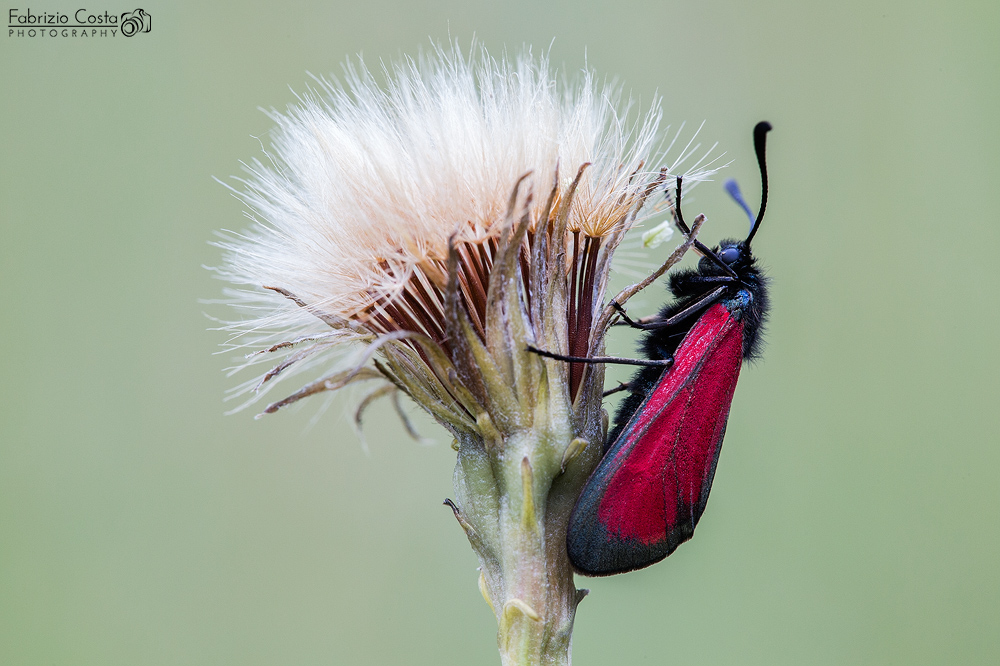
<point>759,143</point>
<point>733,189</point>
<point>678,216</point>
<point>704,249</point>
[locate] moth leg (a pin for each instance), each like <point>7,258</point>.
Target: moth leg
<point>616,360</point>
<point>625,318</point>
<point>622,386</point>
<point>654,323</point>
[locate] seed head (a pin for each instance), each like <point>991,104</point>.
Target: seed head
<point>443,220</point>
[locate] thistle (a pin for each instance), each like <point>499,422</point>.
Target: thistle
<point>418,237</point>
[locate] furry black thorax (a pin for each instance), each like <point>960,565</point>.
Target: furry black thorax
<point>746,298</point>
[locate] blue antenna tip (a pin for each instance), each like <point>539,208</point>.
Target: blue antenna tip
<point>734,191</point>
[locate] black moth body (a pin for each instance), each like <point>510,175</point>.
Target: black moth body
<point>688,286</point>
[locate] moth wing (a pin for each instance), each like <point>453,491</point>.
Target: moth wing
<point>650,488</point>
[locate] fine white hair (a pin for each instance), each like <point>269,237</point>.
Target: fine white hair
<point>365,183</point>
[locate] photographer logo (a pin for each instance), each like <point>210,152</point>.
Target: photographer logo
<point>135,22</point>
<point>81,24</point>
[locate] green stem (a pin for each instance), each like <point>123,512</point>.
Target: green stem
<point>514,501</point>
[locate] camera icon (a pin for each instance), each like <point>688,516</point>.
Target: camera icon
<point>135,22</point>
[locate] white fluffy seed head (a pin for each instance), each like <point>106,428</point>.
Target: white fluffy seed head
<point>366,183</point>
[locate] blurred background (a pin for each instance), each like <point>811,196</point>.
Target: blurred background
<point>854,518</point>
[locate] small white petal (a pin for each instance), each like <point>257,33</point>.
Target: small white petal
<point>657,235</point>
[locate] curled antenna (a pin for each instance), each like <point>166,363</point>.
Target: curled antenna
<point>759,142</point>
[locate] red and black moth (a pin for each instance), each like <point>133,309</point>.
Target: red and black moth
<point>651,486</point>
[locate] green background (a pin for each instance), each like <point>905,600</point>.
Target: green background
<point>854,518</point>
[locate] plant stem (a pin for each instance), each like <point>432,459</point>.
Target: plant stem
<point>514,504</point>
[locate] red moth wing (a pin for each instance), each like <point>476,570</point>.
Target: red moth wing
<point>648,492</point>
